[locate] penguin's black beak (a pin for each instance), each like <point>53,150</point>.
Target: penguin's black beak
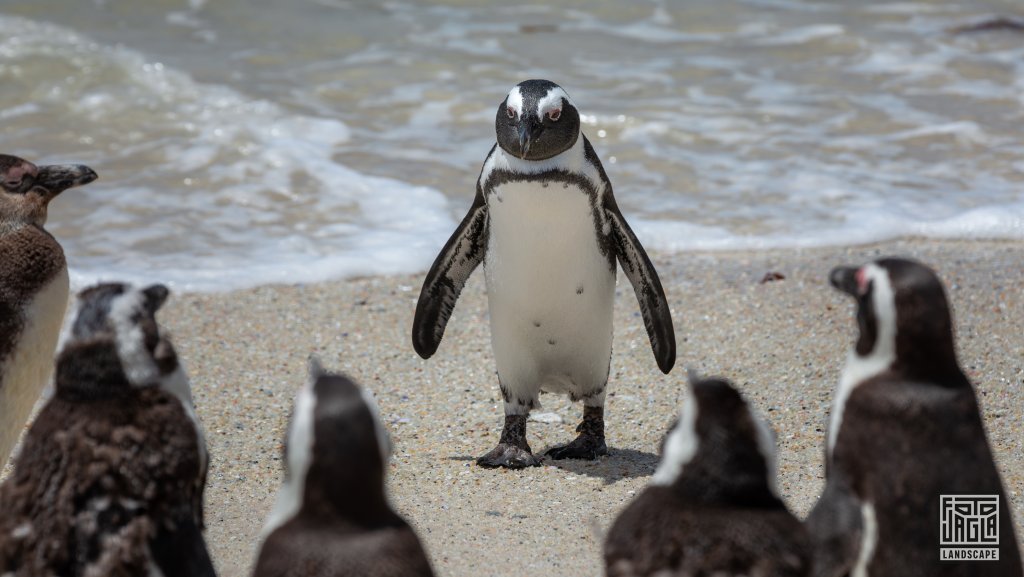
<point>57,178</point>
<point>529,130</point>
<point>844,278</point>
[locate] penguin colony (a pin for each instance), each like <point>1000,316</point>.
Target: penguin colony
<point>110,476</point>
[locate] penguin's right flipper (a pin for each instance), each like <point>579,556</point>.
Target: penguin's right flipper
<point>836,526</point>
<point>456,261</point>
<point>182,550</point>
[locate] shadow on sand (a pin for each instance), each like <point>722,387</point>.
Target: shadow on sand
<point>619,464</point>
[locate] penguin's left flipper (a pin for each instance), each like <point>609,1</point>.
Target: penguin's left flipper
<point>649,294</point>
<point>460,256</point>
<point>836,525</point>
<point>182,550</point>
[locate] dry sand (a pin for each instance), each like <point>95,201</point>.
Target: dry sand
<point>783,343</point>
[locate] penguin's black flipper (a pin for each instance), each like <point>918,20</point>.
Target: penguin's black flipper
<point>182,550</point>
<point>638,268</point>
<point>452,267</point>
<point>836,525</point>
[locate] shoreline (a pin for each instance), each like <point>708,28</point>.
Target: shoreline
<point>782,343</point>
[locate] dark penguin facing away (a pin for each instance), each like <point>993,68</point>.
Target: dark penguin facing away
<point>332,517</point>
<point>110,479</point>
<point>546,226</point>
<point>905,430</point>
<point>33,286</point>
<point>712,506</point>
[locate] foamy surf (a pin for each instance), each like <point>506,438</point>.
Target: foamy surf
<point>301,143</point>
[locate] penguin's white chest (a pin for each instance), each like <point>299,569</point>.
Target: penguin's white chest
<point>27,370</point>
<point>550,289</point>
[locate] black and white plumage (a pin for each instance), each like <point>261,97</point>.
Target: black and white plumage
<point>712,507</point>
<point>905,429</point>
<point>33,286</point>
<point>332,517</point>
<point>546,226</point>
<point>111,476</point>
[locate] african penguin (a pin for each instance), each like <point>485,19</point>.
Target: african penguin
<point>545,224</point>
<point>33,286</point>
<point>332,516</point>
<point>905,429</point>
<point>111,476</point>
<point>712,507</point>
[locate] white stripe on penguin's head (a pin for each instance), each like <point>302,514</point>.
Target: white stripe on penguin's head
<point>299,457</point>
<point>515,101</point>
<point>552,101</point>
<point>766,446</point>
<point>682,443</point>
<point>136,360</point>
<point>383,439</point>
<point>860,368</point>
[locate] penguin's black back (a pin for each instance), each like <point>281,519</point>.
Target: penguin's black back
<point>662,534</point>
<point>904,443</point>
<point>304,547</point>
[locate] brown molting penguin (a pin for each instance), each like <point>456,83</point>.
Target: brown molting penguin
<point>712,507</point>
<point>905,430</point>
<point>111,475</point>
<point>33,286</point>
<point>332,517</point>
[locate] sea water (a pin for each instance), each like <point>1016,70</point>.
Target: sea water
<point>245,142</point>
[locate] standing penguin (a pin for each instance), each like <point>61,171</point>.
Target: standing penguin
<point>545,223</point>
<point>332,517</point>
<point>111,476</point>
<point>905,430</point>
<point>33,286</point>
<point>712,507</point>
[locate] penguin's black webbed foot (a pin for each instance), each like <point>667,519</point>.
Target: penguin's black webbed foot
<point>512,452</point>
<point>589,444</point>
<point>508,456</point>
<point>584,446</point>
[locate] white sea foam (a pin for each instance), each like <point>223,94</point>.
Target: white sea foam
<point>292,145</point>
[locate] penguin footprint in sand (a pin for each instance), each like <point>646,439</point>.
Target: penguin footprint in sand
<point>332,517</point>
<point>33,286</point>
<point>111,476</point>
<point>546,226</point>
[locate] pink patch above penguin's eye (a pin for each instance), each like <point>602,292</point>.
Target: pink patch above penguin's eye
<point>555,114</point>
<point>862,281</point>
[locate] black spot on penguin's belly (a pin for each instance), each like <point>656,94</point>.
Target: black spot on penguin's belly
<point>579,290</point>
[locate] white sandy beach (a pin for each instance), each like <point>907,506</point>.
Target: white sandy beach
<point>783,343</point>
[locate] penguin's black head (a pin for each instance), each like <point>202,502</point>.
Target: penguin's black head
<point>337,449</point>
<point>537,120</point>
<point>113,339</point>
<point>903,315</point>
<point>26,189</point>
<point>719,449</point>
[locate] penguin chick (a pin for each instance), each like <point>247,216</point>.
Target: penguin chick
<point>33,286</point>
<point>332,517</point>
<point>712,507</point>
<point>110,479</point>
<point>905,429</point>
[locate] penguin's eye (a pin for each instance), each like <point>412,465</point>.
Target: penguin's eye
<point>555,114</point>
<point>511,112</point>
